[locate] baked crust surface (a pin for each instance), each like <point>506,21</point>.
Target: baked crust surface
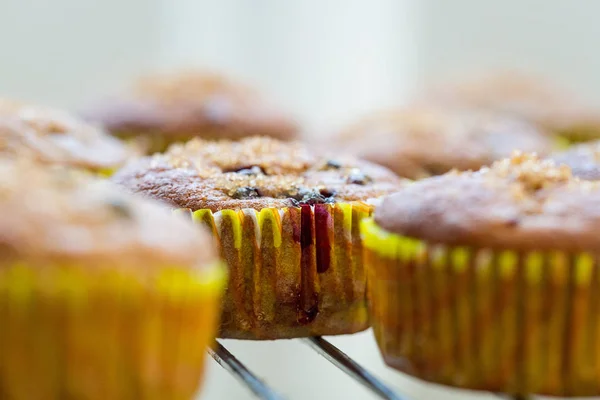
<point>426,140</point>
<point>55,137</point>
<point>253,173</point>
<point>182,105</point>
<point>521,203</point>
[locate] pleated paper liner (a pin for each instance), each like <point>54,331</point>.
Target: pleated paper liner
<point>293,272</point>
<point>69,332</point>
<point>105,173</point>
<point>505,321</point>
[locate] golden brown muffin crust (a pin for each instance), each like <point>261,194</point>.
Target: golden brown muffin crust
<point>583,159</point>
<point>521,203</point>
<point>253,173</point>
<point>52,136</point>
<point>57,216</point>
<point>191,103</point>
<point>417,142</point>
<point>529,97</point>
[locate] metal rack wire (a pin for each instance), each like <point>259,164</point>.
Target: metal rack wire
<point>228,361</point>
<point>352,368</point>
<point>337,357</point>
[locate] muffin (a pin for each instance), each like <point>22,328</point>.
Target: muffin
<point>54,137</point>
<point>583,159</point>
<point>102,295</point>
<point>161,109</point>
<point>489,280</point>
<point>417,142</point>
<point>287,221</point>
<point>547,105</point>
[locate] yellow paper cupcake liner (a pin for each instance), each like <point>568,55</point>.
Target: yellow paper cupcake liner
<point>73,332</point>
<point>562,143</point>
<point>293,272</point>
<point>496,320</point>
<point>577,135</point>
<point>148,142</point>
<point>151,142</point>
<point>105,173</point>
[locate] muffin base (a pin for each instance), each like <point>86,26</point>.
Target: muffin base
<point>495,320</point>
<point>293,272</point>
<point>75,332</point>
<point>150,142</point>
<point>577,135</point>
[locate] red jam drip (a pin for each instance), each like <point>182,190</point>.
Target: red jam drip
<point>323,225</point>
<point>306,226</point>
<point>309,296</point>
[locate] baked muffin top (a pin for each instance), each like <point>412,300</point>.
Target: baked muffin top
<point>52,215</point>
<point>417,142</point>
<point>528,97</point>
<point>54,137</point>
<point>521,203</point>
<point>191,103</point>
<point>583,159</point>
<point>254,173</point>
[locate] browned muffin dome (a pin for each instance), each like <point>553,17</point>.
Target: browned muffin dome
<point>519,203</point>
<point>55,216</point>
<point>166,108</point>
<point>417,142</point>
<point>531,98</point>
<point>253,173</point>
<point>583,159</point>
<point>54,137</point>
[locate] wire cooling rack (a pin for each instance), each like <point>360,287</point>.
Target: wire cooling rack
<point>337,357</point>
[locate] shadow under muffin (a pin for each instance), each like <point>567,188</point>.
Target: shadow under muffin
<point>287,221</point>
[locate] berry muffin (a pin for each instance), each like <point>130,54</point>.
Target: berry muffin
<point>287,222</point>
<point>162,109</point>
<point>583,159</point>
<point>550,107</point>
<point>417,142</point>
<point>102,295</point>
<point>54,137</point>
<point>490,280</point>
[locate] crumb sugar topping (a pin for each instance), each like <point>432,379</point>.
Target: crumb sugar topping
<point>522,202</point>
<point>267,168</point>
<point>58,212</point>
<point>43,120</point>
<point>530,171</point>
<point>190,86</point>
<point>53,135</point>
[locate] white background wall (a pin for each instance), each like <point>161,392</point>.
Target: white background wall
<point>328,61</point>
<point>65,51</point>
<point>325,60</point>
<point>556,37</point>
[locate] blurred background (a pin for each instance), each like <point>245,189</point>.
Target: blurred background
<point>327,61</point>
